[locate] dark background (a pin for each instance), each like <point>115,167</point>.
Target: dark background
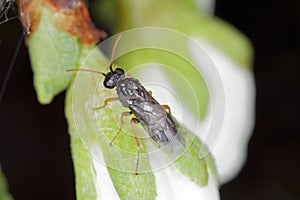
<point>272,169</point>
<point>34,143</point>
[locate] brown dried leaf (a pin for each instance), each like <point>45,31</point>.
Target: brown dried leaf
<point>71,16</point>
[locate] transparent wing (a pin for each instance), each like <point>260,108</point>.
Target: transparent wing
<point>176,143</point>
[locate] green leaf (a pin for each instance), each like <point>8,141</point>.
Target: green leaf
<point>4,195</point>
<point>85,175</point>
<point>193,167</point>
<point>51,52</point>
<point>133,187</point>
<point>196,163</point>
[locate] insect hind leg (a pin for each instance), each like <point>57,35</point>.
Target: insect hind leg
<point>124,114</point>
<point>138,143</point>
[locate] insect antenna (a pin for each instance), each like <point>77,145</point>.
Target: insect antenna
<point>113,53</point>
<point>110,63</point>
<point>85,70</point>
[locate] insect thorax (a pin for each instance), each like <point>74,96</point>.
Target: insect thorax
<point>128,90</point>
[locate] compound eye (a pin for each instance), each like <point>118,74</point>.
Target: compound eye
<point>109,81</point>
<point>119,71</point>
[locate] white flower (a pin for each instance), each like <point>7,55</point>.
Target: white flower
<point>230,151</point>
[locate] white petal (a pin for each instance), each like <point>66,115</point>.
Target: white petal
<point>104,185</point>
<point>230,152</point>
<point>172,184</point>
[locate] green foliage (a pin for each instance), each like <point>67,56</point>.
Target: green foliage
<point>4,195</point>
<point>185,17</point>
<point>85,175</point>
<point>191,164</point>
<point>51,53</point>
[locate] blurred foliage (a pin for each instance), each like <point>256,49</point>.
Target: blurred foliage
<point>4,195</point>
<point>183,16</point>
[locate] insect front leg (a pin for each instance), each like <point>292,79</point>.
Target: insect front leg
<point>106,101</point>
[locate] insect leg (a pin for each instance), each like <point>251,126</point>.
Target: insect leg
<point>124,114</point>
<point>138,144</point>
<point>106,101</point>
<point>166,107</point>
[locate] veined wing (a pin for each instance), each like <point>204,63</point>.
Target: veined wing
<point>160,125</point>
